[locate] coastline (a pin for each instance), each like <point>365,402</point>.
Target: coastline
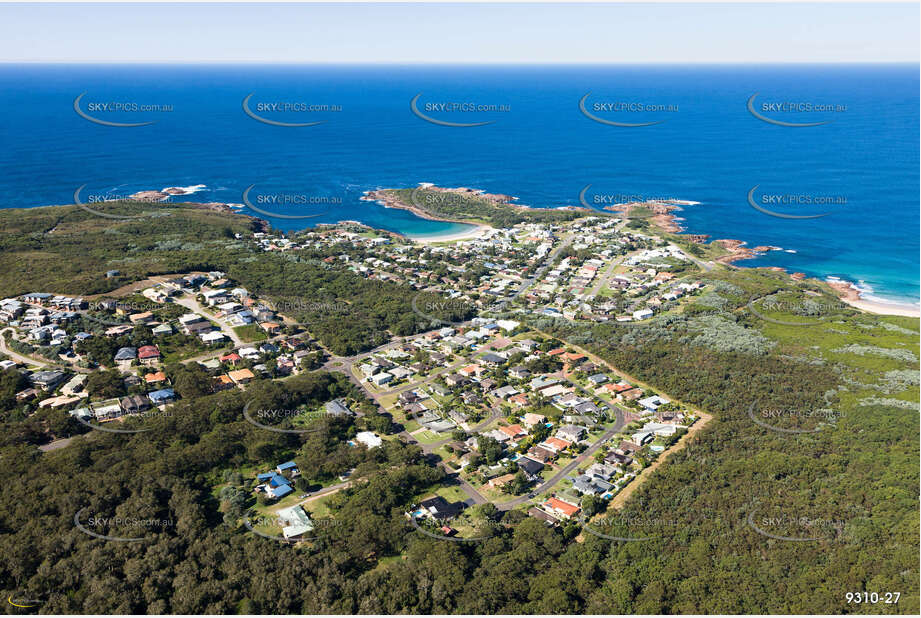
<point>476,232</point>
<point>663,218</point>
<point>381,197</point>
<point>848,292</point>
<point>851,294</point>
<point>879,308</point>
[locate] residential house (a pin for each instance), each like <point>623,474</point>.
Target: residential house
<point>148,355</point>
<point>456,379</point>
<point>653,402</point>
<point>297,522</point>
<point>381,378</point>
<point>530,467</point>
<point>106,410</point>
<point>514,432</point>
<point>212,337</point>
<point>531,420</point>
<point>500,481</point>
<point>125,356</point>
<point>560,508</point>
<point>47,380</point>
<point>135,404</point>
<point>155,378</point>
<point>541,454</point>
<point>241,376</point>
<point>505,392</point>
<point>337,408</point>
<point>162,396</point>
<point>369,439</point>
<point>221,383</point>
<point>440,509</point>
<point>555,444</point>
<point>289,469</point>
<point>519,372</point>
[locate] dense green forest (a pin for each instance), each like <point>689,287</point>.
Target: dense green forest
<point>848,478</point>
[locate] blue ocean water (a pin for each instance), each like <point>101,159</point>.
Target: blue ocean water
<point>706,146</point>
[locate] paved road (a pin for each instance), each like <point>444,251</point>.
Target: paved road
<point>548,262</point>
<point>227,349</point>
<point>325,492</point>
<point>705,266</point>
<point>190,303</point>
<point>607,274</point>
<point>30,361</point>
<point>431,447</point>
<point>566,470</point>
<point>19,358</point>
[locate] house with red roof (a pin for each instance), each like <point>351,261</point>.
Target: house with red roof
<point>520,400</point>
<point>515,432</point>
<point>558,507</point>
<point>148,355</point>
<point>233,358</point>
<point>555,444</point>
<point>155,378</point>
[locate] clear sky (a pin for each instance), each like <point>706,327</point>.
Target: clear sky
<point>459,33</point>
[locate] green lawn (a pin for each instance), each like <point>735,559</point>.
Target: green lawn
<point>250,332</point>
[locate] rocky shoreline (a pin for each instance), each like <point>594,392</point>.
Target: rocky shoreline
<point>388,199</point>
<point>662,217</point>
<point>739,251</point>
<point>163,194</point>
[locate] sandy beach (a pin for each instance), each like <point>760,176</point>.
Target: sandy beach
<point>871,306</point>
<point>477,231</point>
<point>850,294</point>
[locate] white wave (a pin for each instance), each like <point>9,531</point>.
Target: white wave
<point>187,190</point>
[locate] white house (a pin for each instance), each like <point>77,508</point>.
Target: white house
<point>381,378</point>
<point>642,314</point>
<point>369,438</point>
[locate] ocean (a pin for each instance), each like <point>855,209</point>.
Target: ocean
<point>699,141</point>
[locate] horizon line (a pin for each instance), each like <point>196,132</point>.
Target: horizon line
<point>453,63</point>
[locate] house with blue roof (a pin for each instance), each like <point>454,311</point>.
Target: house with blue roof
<point>280,492</point>
<point>278,480</point>
<point>288,466</point>
<point>164,395</point>
<point>277,483</point>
